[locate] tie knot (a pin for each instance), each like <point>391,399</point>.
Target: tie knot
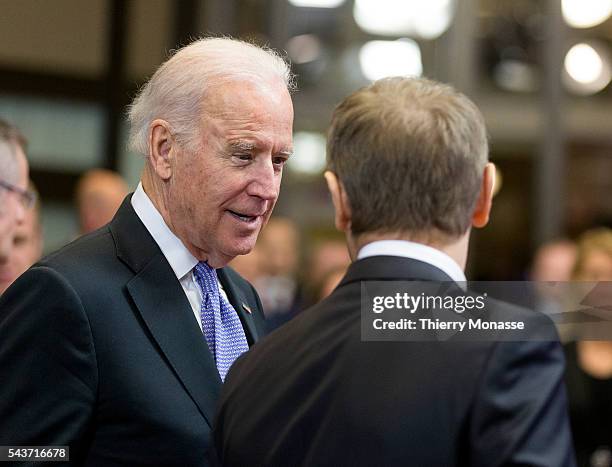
<point>203,268</point>
<point>206,277</point>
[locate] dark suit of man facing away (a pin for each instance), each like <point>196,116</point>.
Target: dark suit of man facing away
<point>408,175</point>
<point>101,344</point>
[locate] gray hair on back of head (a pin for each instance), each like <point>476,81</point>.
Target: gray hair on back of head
<point>176,90</point>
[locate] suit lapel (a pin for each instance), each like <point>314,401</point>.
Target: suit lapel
<point>241,305</point>
<point>165,311</point>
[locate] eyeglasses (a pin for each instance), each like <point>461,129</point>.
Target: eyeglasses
<point>26,197</point>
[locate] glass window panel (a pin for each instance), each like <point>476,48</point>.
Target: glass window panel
<point>62,134</point>
<point>59,222</point>
<point>130,163</point>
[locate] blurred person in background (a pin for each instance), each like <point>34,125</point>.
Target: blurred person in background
<point>589,362</point>
<point>327,258</point>
<point>551,270</point>
<point>249,266</point>
<point>15,199</point>
<point>279,289</point>
<point>330,281</point>
<point>554,261</point>
<point>27,246</point>
<point>99,194</point>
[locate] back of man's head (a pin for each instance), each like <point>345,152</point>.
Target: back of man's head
<point>410,154</point>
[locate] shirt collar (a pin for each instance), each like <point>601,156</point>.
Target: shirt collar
<point>180,259</point>
<point>416,251</point>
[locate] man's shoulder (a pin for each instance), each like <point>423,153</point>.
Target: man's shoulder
<point>89,264</point>
<point>82,253</point>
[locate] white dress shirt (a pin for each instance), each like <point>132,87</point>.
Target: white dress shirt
<point>416,251</point>
<point>180,259</point>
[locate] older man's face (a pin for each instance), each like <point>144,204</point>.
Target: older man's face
<point>223,193</point>
<point>12,211</point>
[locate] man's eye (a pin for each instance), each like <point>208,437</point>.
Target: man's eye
<point>279,161</point>
<point>243,157</point>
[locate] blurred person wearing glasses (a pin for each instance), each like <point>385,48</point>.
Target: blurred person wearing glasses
<point>27,245</point>
<point>15,199</point>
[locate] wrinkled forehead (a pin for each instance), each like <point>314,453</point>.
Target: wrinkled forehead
<point>251,113</point>
<point>246,94</point>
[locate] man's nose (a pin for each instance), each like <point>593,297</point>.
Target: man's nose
<point>265,183</point>
<point>20,212</point>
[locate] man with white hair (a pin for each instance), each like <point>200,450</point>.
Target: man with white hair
<point>117,345</point>
<point>14,196</point>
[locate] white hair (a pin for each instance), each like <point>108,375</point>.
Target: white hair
<point>176,90</point>
<point>9,169</point>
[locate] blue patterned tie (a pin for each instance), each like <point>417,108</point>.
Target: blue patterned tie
<point>222,326</point>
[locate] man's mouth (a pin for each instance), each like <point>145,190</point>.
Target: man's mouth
<point>243,217</point>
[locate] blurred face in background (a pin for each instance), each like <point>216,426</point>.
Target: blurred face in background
<point>554,262</point>
<point>26,249</point>
<point>596,266</point>
<point>12,209</point>
<point>594,258</point>
<point>280,245</point>
<point>99,194</point>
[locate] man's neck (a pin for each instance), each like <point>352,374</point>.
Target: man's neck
<point>457,248</point>
<point>157,197</point>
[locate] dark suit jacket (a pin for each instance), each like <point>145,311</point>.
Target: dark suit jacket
<point>100,350</point>
<point>313,394</point>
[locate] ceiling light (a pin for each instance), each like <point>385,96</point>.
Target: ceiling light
<point>317,3</point>
<point>587,69</point>
<point>423,19</point>
<point>379,59</point>
<point>309,153</point>
<point>586,13</point>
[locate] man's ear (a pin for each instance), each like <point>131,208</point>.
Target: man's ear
<point>342,206</point>
<point>161,142</point>
<point>480,216</point>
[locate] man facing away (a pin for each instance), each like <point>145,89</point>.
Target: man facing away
<point>15,199</point>
<point>117,345</point>
<point>409,177</point>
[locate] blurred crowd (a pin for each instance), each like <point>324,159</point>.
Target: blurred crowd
<point>291,274</point>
